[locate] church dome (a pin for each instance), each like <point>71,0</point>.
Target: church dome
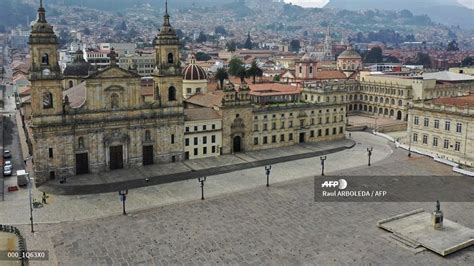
<point>194,72</point>
<point>349,54</point>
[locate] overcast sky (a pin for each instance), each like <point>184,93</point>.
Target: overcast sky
<point>321,3</point>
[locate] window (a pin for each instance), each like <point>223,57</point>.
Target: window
<point>204,150</point>
<point>171,94</point>
<point>290,136</point>
<point>50,151</point>
<point>302,123</point>
<point>274,126</point>
<point>195,141</point>
<point>114,101</point>
<point>436,123</point>
<point>147,135</point>
<point>172,138</point>
<point>170,58</point>
<point>255,141</point>
<point>204,127</point>
<point>45,59</point>
<point>47,100</point>
<point>446,144</point>
<point>291,124</point>
<point>327,119</point>
<point>213,149</point>
<point>426,122</point>
<point>320,132</point>
<point>186,142</point>
<point>282,124</point>
<point>195,128</point>
<point>341,130</point>
<point>274,139</point>
<point>265,140</point>
<point>188,90</point>
<point>264,127</point>
<point>447,125</point>
<point>71,84</point>
<point>311,134</point>
<point>416,122</point>
<point>327,131</point>
<point>204,140</point>
<point>435,142</point>
<point>187,129</point>
<point>255,128</point>
<point>320,120</point>
<point>310,70</point>
<point>457,146</point>
<point>80,143</point>
<point>415,137</point>
<point>312,121</point>
<point>334,131</point>
<point>195,151</point>
<point>213,138</point>
<point>425,139</point>
<point>458,127</point>
<point>213,126</point>
<point>282,137</point>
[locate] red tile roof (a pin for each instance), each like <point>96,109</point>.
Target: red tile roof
<point>456,101</point>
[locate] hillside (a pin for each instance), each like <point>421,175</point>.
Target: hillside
<point>448,12</point>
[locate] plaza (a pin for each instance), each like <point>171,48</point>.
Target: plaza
<point>242,221</point>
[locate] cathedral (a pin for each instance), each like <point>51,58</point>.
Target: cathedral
<point>103,122</point>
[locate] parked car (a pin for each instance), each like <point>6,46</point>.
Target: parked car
<point>7,170</point>
<point>7,154</point>
<point>8,162</point>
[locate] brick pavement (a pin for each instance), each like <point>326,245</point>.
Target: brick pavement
<point>277,225</point>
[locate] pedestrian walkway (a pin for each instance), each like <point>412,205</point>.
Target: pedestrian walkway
<point>172,172</point>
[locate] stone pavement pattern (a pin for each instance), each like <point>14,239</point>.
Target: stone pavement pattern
<point>277,225</point>
<point>15,209</point>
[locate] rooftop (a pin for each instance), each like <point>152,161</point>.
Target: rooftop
<point>196,114</point>
<point>448,76</point>
<point>456,101</point>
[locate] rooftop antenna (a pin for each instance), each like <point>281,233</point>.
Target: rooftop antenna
<point>166,6</point>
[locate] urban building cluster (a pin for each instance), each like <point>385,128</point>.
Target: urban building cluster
<point>90,110</point>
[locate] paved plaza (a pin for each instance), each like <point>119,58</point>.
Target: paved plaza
<point>249,224</point>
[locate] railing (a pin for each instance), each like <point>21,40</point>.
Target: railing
<point>21,240</point>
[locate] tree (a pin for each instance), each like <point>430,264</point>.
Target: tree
<point>422,59</point>
<point>374,55</point>
<point>202,38</point>
<point>221,75</point>
<point>254,70</point>
<point>242,73</point>
<point>200,56</point>
<point>452,46</point>
<point>295,45</point>
<point>231,46</point>
<point>248,43</point>
<point>87,31</point>
<point>406,13</point>
<point>468,61</point>
<point>277,78</point>
<point>234,66</point>
<point>220,30</point>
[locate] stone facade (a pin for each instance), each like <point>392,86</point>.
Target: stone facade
<point>444,129</point>
<point>103,123</point>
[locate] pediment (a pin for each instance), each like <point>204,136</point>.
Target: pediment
<point>115,72</point>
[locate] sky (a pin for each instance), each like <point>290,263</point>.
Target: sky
<point>321,3</point>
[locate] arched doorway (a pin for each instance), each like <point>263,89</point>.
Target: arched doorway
<point>399,115</point>
<point>237,143</point>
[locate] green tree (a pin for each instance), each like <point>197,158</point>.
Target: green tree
<point>234,66</point>
<point>295,45</point>
<point>200,56</point>
<point>221,75</point>
<point>277,78</point>
<point>254,71</point>
<point>452,46</point>
<point>202,38</point>
<point>220,30</point>
<point>231,46</point>
<point>374,55</point>
<point>242,73</point>
<point>248,43</point>
<point>468,61</point>
<point>423,59</point>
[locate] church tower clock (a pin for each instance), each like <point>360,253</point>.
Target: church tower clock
<point>45,73</point>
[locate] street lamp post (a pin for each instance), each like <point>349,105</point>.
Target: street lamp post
<point>369,152</point>
<point>202,180</point>
<point>323,158</point>
<point>268,168</point>
<point>31,202</point>
<point>123,198</point>
<point>410,126</point>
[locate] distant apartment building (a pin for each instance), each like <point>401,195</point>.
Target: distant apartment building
<point>444,127</point>
<point>203,133</point>
<point>142,62</point>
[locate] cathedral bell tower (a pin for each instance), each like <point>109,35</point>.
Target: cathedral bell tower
<point>168,75</point>
<point>45,73</point>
